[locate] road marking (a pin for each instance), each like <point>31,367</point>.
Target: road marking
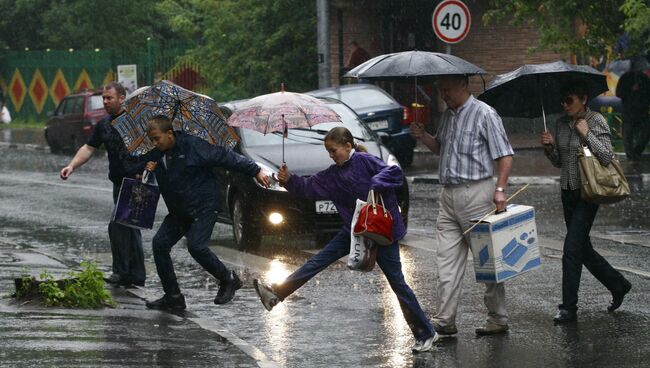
<point>28,146</point>
<point>632,238</point>
<point>16,178</point>
<point>417,238</point>
<point>263,361</point>
<point>634,271</point>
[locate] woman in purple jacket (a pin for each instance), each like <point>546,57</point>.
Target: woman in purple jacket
<point>352,176</point>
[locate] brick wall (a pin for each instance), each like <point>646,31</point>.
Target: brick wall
<point>498,48</point>
<point>358,25</point>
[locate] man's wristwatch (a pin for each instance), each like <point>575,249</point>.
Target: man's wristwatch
<point>500,189</point>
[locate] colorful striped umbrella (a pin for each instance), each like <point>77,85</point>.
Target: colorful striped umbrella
<point>190,112</point>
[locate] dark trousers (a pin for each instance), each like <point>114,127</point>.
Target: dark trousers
<point>388,260</point>
<point>126,248</point>
<point>636,134</point>
<point>578,251</point>
<point>198,231</point>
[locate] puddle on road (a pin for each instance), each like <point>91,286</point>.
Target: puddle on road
<point>50,239</point>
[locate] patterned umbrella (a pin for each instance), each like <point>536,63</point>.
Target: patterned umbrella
<point>190,112</point>
<point>280,111</point>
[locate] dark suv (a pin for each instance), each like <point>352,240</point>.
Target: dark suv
<point>73,121</point>
<point>380,112</point>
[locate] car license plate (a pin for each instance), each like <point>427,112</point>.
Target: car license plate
<point>378,125</point>
<point>325,207</point>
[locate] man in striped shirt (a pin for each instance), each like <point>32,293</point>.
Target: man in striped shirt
<point>470,138</point>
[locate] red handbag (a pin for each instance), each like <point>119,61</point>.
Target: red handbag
<point>375,221</point>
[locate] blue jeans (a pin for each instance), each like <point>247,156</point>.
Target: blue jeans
<point>198,231</point>
<point>578,251</point>
<point>126,249</point>
<point>388,260</point>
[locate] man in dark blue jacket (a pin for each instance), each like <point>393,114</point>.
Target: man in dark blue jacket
<point>188,185</point>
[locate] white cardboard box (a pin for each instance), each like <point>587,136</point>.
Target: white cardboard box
<point>505,245</point>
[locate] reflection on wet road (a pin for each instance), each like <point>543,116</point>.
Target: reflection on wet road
<point>343,318</point>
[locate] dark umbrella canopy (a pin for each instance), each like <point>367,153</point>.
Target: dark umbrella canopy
<point>534,90</point>
<point>413,64</point>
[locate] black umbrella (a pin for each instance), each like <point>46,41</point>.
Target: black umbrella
<point>413,64</point>
<point>416,64</point>
<point>534,90</point>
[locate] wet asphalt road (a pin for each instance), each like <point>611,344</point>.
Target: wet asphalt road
<point>347,319</point>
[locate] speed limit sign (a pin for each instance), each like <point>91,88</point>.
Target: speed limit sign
<point>451,21</point>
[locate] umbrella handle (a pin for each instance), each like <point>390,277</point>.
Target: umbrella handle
<point>544,117</point>
<point>145,176</point>
<point>285,132</point>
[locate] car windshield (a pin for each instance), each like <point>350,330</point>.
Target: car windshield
<point>95,102</point>
<point>315,134</point>
<point>362,98</point>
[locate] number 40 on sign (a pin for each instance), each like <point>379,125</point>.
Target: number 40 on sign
<point>451,21</point>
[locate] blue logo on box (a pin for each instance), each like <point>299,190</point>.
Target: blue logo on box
<point>483,255</point>
<point>513,252</point>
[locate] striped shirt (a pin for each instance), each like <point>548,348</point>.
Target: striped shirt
<point>470,139</point>
<point>567,141</point>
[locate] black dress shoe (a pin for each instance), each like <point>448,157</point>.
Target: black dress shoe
<point>128,282</point>
<point>564,316</point>
<point>227,289</point>
<point>168,302</point>
<point>617,298</point>
<point>113,279</point>
<point>444,330</point>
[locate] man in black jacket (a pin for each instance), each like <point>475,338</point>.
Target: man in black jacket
<point>189,187</point>
<point>126,243</point>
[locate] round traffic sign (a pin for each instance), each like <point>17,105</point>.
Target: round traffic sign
<point>451,21</point>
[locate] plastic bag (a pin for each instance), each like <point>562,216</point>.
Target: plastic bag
<point>5,116</point>
<point>363,251</point>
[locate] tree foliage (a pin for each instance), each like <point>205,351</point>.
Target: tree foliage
<point>637,23</point>
<point>245,47</point>
<point>80,24</point>
<point>249,47</point>
<point>583,27</point>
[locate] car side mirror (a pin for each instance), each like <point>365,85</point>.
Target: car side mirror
<point>384,137</point>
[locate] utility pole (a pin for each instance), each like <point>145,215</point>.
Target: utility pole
<point>323,40</point>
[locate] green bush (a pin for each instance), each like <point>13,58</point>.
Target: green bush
<point>84,289</point>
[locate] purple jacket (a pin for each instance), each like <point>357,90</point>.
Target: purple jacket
<point>343,185</point>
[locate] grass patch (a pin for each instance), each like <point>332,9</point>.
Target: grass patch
<point>85,289</point>
<point>24,124</point>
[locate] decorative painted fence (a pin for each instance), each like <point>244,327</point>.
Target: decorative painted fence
<point>34,82</point>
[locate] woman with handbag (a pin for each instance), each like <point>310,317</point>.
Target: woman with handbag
<point>353,175</point>
<point>580,126</point>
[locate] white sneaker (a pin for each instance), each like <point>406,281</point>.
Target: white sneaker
<point>425,345</point>
<point>266,294</point>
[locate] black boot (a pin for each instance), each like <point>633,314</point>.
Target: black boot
<point>168,302</point>
<point>617,297</point>
<point>227,289</point>
<point>565,315</point>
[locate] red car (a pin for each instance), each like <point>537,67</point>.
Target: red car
<point>71,124</point>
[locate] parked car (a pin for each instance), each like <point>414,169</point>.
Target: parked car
<point>380,112</point>
<point>253,210</point>
<point>73,121</point>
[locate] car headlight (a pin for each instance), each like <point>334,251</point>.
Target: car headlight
<point>392,160</point>
<point>275,184</point>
